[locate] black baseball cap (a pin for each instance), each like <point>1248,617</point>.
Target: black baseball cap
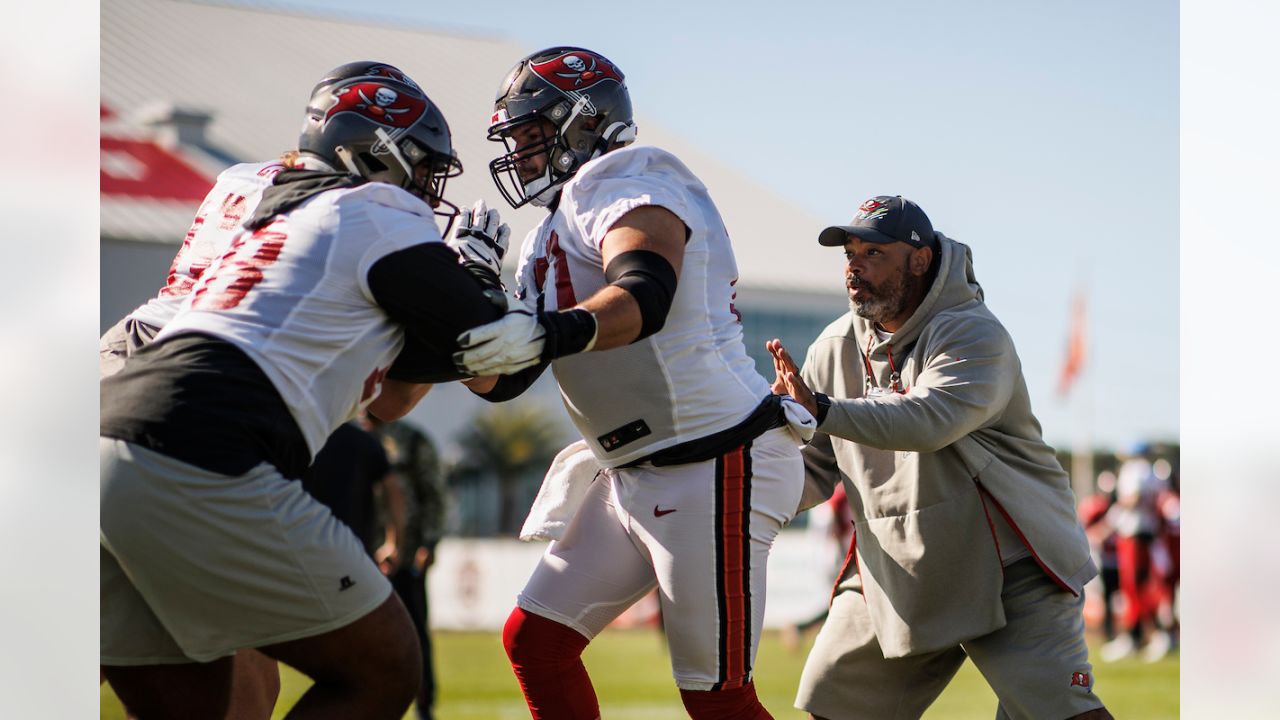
<point>884,219</point>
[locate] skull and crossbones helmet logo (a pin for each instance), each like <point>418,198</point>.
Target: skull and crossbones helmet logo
<point>581,71</point>
<point>383,97</point>
<point>385,102</point>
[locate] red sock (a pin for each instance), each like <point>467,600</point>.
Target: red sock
<point>547,659</point>
<point>737,704</point>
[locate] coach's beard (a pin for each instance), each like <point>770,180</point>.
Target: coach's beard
<point>885,301</point>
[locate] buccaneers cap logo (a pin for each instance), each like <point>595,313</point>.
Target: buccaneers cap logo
<point>379,103</point>
<point>576,71</point>
<point>871,209</point>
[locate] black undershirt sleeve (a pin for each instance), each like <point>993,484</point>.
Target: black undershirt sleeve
<point>512,386</point>
<point>436,299</point>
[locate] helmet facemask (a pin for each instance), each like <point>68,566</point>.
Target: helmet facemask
<point>539,190</point>
<point>426,173</point>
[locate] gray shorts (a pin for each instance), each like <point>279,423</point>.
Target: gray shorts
<point>1037,664</point>
<point>195,565</point>
<point>122,340</point>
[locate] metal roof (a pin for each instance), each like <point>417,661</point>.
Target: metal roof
<point>251,71</point>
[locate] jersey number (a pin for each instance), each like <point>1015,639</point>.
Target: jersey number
<point>187,266</point>
<point>239,269</point>
<point>564,285</point>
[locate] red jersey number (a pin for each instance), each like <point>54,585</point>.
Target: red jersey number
<point>564,285</point>
<point>240,269</point>
<point>188,265</point>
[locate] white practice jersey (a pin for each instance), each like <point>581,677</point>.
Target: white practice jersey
<point>232,200</point>
<point>294,296</point>
<point>689,380</point>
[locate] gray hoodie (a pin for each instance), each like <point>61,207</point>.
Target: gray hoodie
<point>927,468</point>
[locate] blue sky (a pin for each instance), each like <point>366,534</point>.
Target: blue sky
<point>1044,135</point>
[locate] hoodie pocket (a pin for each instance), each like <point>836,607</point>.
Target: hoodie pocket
<point>932,578</point>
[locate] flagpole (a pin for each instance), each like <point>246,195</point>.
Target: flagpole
<point>1082,450</point>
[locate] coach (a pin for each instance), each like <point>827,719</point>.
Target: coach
<point>966,541</point>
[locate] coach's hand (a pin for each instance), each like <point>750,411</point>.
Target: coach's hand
<point>788,380</point>
<point>481,238</point>
<point>521,340</point>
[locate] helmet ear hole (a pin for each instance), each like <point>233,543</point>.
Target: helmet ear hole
<point>372,163</point>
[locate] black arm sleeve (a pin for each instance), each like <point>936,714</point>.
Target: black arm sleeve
<point>651,281</point>
<point>436,299</point>
<point>512,386</point>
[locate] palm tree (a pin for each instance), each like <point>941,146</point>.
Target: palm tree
<point>513,442</point>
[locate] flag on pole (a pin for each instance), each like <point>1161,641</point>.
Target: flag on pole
<point>1073,364</point>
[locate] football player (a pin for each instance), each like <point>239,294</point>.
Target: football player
<point>628,286</point>
<point>330,301</point>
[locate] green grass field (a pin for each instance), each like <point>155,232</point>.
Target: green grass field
<point>633,680</point>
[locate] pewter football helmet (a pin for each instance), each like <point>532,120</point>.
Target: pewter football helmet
<point>582,95</point>
<point>382,123</point>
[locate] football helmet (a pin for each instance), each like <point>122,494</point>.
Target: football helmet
<point>385,126</point>
<point>584,99</point>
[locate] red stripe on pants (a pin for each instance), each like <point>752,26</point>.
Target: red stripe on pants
<point>733,500</point>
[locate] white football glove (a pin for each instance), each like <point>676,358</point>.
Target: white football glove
<point>481,237</point>
<point>502,347</point>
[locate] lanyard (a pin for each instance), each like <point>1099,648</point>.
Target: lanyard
<point>895,378</point>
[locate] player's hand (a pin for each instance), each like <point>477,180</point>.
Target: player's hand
<point>388,558</point>
<point>788,380</point>
<point>502,347</point>
<point>481,238</point>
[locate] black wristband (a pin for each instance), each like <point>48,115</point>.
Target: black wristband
<point>568,332</point>
<point>824,405</point>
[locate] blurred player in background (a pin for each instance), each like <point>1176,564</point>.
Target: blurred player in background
<point>416,464</point>
<point>1169,566</point>
<point>1092,512</point>
<point>629,288</point>
<point>340,294</point>
<point>353,477</point>
<point>966,538</point>
<point>1137,521</point>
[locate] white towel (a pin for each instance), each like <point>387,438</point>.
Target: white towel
<point>800,421</point>
<point>563,489</point>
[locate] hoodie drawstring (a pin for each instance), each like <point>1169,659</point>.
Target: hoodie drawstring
<point>895,378</point>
